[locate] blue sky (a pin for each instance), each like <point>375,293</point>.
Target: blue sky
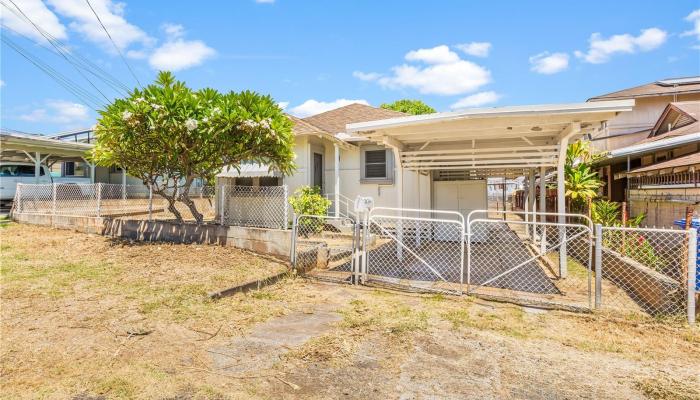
<point>311,55</point>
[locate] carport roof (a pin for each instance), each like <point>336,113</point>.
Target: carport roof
<point>487,140</point>
<point>17,142</point>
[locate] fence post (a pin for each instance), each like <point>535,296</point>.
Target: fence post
<point>285,223</point>
<point>692,268</point>
<point>222,197</point>
<point>53,199</point>
<point>99,199</point>
<point>598,262</point>
<point>18,196</point>
<point>150,202</point>
<point>292,250</point>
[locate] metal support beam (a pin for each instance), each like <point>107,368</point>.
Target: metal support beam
<point>336,185</point>
<point>37,166</point>
<point>532,206</point>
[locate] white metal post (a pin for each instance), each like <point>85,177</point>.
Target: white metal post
<point>222,197</point>
<point>53,199</point>
<point>526,204</point>
<point>692,271</point>
<point>99,199</point>
<point>37,166</point>
<point>561,206</point>
<point>123,184</point>
<point>17,205</point>
<point>543,210</point>
<point>286,207</point>
<point>532,206</point>
<point>598,263</point>
<point>336,185</point>
<point>399,194</point>
<point>150,202</point>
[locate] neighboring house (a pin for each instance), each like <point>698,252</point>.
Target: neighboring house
<point>650,101</point>
<point>657,175</point>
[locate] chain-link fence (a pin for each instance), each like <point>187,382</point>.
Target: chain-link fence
<point>520,261</point>
<point>420,250</point>
<point>106,200</point>
<point>258,206</point>
<point>325,247</point>
<point>645,270</point>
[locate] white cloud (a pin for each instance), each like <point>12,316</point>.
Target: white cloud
<point>58,111</point>
<point>83,21</point>
<point>476,49</point>
<point>546,63</point>
<point>313,107</point>
<point>39,14</point>
<point>601,49</point>
<point>446,74</point>
<point>366,76</point>
<point>283,104</point>
<point>694,18</point>
<point>476,100</point>
<point>177,53</point>
<point>436,55</point>
<point>2,83</point>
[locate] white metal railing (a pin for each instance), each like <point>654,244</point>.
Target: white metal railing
<point>344,206</point>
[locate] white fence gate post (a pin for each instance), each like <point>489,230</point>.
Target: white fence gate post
<point>150,202</point>
<point>53,199</point>
<point>598,262</point>
<point>692,268</point>
<point>222,199</point>
<point>285,223</point>
<point>99,199</point>
<point>18,197</point>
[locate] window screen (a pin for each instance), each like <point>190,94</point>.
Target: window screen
<point>269,181</point>
<point>375,164</point>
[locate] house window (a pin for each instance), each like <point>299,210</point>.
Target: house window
<point>72,168</point>
<point>377,165</point>
<point>269,181</point>
<point>241,181</point>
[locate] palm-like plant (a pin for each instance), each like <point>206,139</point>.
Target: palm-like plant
<point>581,182</point>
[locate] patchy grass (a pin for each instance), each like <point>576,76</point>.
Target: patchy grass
<point>663,387</point>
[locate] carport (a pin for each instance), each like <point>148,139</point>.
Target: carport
<point>16,146</point>
<point>503,142</point>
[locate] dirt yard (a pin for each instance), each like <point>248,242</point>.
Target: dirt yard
<point>87,317</point>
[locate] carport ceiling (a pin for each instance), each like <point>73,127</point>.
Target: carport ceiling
<point>485,141</point>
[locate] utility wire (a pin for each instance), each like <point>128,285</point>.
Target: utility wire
<point>85,64</point>
<point>60,50</point>
<point>83,95</point>
<point>113,43</point>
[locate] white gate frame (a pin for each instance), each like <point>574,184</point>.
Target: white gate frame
<point>398,238</point>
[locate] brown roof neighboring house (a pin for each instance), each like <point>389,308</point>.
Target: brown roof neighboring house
<point>676,163</point>
<point>678,119</point>
<point>658,88</point>
<point>334,121</point>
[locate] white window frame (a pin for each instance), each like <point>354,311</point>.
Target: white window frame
<point>388,178</point>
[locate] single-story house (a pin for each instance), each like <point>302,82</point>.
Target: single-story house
<point>434,161</point>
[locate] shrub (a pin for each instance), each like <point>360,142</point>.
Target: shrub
<point>309,201</point>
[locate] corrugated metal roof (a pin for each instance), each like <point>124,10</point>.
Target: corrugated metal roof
<point>653,89</point>
<point>685,161</point>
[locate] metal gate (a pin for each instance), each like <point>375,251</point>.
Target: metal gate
<point>325,247</point>
<point>411,249</point>
<point>515,260</point>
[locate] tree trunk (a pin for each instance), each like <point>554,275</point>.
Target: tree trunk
<point>185,198</point>
<point>171,203</point>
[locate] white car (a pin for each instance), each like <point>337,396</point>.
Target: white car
<point>12,173</point>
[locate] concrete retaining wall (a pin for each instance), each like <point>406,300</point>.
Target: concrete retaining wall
<point>275,242</point>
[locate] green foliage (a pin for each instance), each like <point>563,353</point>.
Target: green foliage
<point>168,135</point>
<point>581,181</point>
<point>606,213</point>
<point>408,106</point>
<point>309,201</point>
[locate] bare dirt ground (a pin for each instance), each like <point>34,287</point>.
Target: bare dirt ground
<point>87,317</point>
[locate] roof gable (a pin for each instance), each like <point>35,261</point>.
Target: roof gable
<point>680,118</point>
<point>334,121</point>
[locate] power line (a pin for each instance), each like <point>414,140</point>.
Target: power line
<point>86,64</point>
<point>113,43</point>
<point>83,95</point>
<point>60,50</point>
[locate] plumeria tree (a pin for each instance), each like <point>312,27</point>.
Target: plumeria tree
<point>169,135</point>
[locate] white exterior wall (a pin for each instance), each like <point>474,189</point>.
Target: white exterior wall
<point>646,112</point>
<point>416,187</point>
